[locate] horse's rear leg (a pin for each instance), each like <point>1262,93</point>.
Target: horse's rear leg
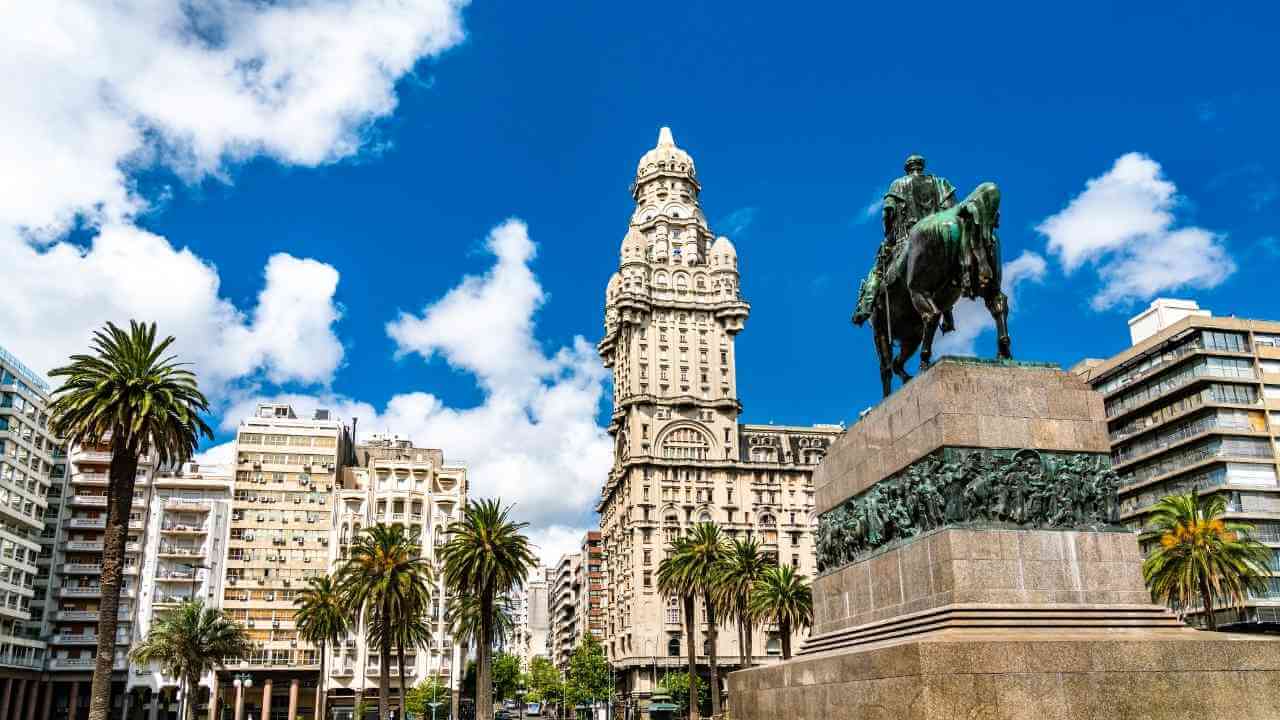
<point>926,347</point>
<point>998,306</point>
<point>908,346</point>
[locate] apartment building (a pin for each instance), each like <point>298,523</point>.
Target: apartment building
<point>1194,403</point>
<point>286,475</point>
<point>566,589</point>
<point>538,613</point>
<point>31,460</point>
<point>183,558</point>
<point>673,311</point>
<point>391,481</point>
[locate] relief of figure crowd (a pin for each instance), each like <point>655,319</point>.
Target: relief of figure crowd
<point>988,488</point>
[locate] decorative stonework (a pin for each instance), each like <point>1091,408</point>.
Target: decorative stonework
<point>972,487</point>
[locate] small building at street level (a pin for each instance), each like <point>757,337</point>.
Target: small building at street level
<point>673,311</point>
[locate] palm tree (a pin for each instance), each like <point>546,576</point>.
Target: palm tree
<point>1201,556</point>
<point>486,556</point>
<point>742,566</point>
<point>691,568</point>
<point>674,581</point>
<point>463,614</point>
<point>130,394</point>
<point>189,641</point>
<point>385,578</point>
<point>784,597</point>
<point>321,620</point>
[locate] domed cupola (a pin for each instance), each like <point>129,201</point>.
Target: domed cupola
<point>665,158</point>
<point>633,247</point>
<point>723,255</point>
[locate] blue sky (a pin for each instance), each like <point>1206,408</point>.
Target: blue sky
<point>277,184</point>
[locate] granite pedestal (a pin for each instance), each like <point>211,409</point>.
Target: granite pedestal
<point>996,623</point>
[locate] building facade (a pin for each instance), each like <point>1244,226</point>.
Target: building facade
<point>286,475</point>
<point>673,311</point>
<point>565,590</point>
<point>393,482</point>
<point>537,615</point>
<point>31,462</point>
<point>1194,403</point>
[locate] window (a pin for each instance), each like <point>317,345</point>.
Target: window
<point>773,646</point>
<point>685,443</point>
<point>648,578</point>
<point>673,646</point>
<point>648,557</point>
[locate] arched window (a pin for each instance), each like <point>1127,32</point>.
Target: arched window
<point>686,443</point>
<point>660,279</point>
<point>682,282</point>
<point>812,456</point>
<point>705,516</point>
<point>673,647</point>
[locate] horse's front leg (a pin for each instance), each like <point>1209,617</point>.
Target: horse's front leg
<point>929,317</point>
<point>906,349</point>
<point>926,346</point>
<point>998,306</point>
<point>884,350</point>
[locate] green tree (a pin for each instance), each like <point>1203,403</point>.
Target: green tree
<point>189,641</point>
<point>386,580</point>
<point>420,697</point>
<point>741,568</point>
<point>322,620</point>
<point>486,556</point>
<point>589,679</point>
<point>783,597</point>
<point>132,396</point>
<point>1201,556</point>
<point>463,616</point>
<point>545,680</point>
<point>506,676</point>
<point>677,686</point>
<point>692,568</point>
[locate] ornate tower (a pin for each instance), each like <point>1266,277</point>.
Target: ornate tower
<point>672,312</point>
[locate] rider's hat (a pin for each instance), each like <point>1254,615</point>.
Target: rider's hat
<point>912,159</point>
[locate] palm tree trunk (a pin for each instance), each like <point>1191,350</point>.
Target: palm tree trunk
<point>742,643</point>
<point>384,657</point>
<point>193,687</point>
<point>712,637</point>
<point>784,628</point>
<point>1207,599</point>
<point>120,482</point>
<point>484,689</point>
<point>403,689</point>
<point>692,655</point>
<point>319,686</point>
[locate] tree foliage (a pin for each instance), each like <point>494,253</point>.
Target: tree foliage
<point>506,676</point>
<point>1200,557</point>
<point>589,672</point>
<point>189,641</point>
<point>419,697</point>
<point>545,680</point>
<point>783,596</point>
<point>677,686</point>
<point>322,621</point>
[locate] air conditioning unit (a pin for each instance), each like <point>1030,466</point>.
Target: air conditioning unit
<point>269,597</point>
<point>275,624</point>
<point>250,623</point>
<point>324,541</point>
<point>287,583</point>
<point>297,500</point>
<point>293,643</point>
<point>306,559</point>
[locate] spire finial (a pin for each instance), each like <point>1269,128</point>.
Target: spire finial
<point>664,137</point>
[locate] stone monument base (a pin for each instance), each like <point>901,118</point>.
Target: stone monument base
<point>996,585</point>
<point>1027,673</point>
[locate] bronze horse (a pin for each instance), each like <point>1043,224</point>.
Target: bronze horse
<point>948,255</point>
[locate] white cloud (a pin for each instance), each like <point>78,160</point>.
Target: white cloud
<point>91,93</point>
<point>971,316</point>
<point>533,440</point>
<point>550,543</point>
<point>1123,224</point>
<point>737,222</point>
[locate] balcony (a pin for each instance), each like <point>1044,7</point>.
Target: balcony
<point>83,546</point>
<point>89,500</point>
<point>18,661</point>
<point>94,456</point>
<point>180,552</point>
<point>122,638</point>
<point>85,591</point>
<point>180,529</point>
<point>201,506</point>
<point>86,523</point>
<point>343,672</point>
<point>177,577</point>
<point>89,479</point>
<point>85,615</point>
<point>81,569</point>
<point>82,663</point>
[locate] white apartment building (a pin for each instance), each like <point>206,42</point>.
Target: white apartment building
<point>391,481</point>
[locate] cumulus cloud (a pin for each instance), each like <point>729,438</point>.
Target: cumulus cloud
<point>92,93</point>
<point>1123,225</point>
<point>534,439</point>
<point>971,316</point>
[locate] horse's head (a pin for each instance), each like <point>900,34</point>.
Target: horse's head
<point>982,206</point>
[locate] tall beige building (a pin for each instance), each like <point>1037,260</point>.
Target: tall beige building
<point>672,313</point>
<point>282,514</point>
<point>1194,403</point>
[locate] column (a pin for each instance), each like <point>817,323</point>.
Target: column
<point>154,711</point>
<point>4,699</point>
<point>73,712</point>
<point>240,702</point>
<point>22,693</point>
<point>293,700</point>
<point>48,700</point>
<point>128,703</point>
<point>266,699</point>
<point>213,699</point>
<point>35,697</point>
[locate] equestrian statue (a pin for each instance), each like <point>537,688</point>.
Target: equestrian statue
<point>935,251</point>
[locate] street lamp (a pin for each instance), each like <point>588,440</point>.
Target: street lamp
<point>241,681</point>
